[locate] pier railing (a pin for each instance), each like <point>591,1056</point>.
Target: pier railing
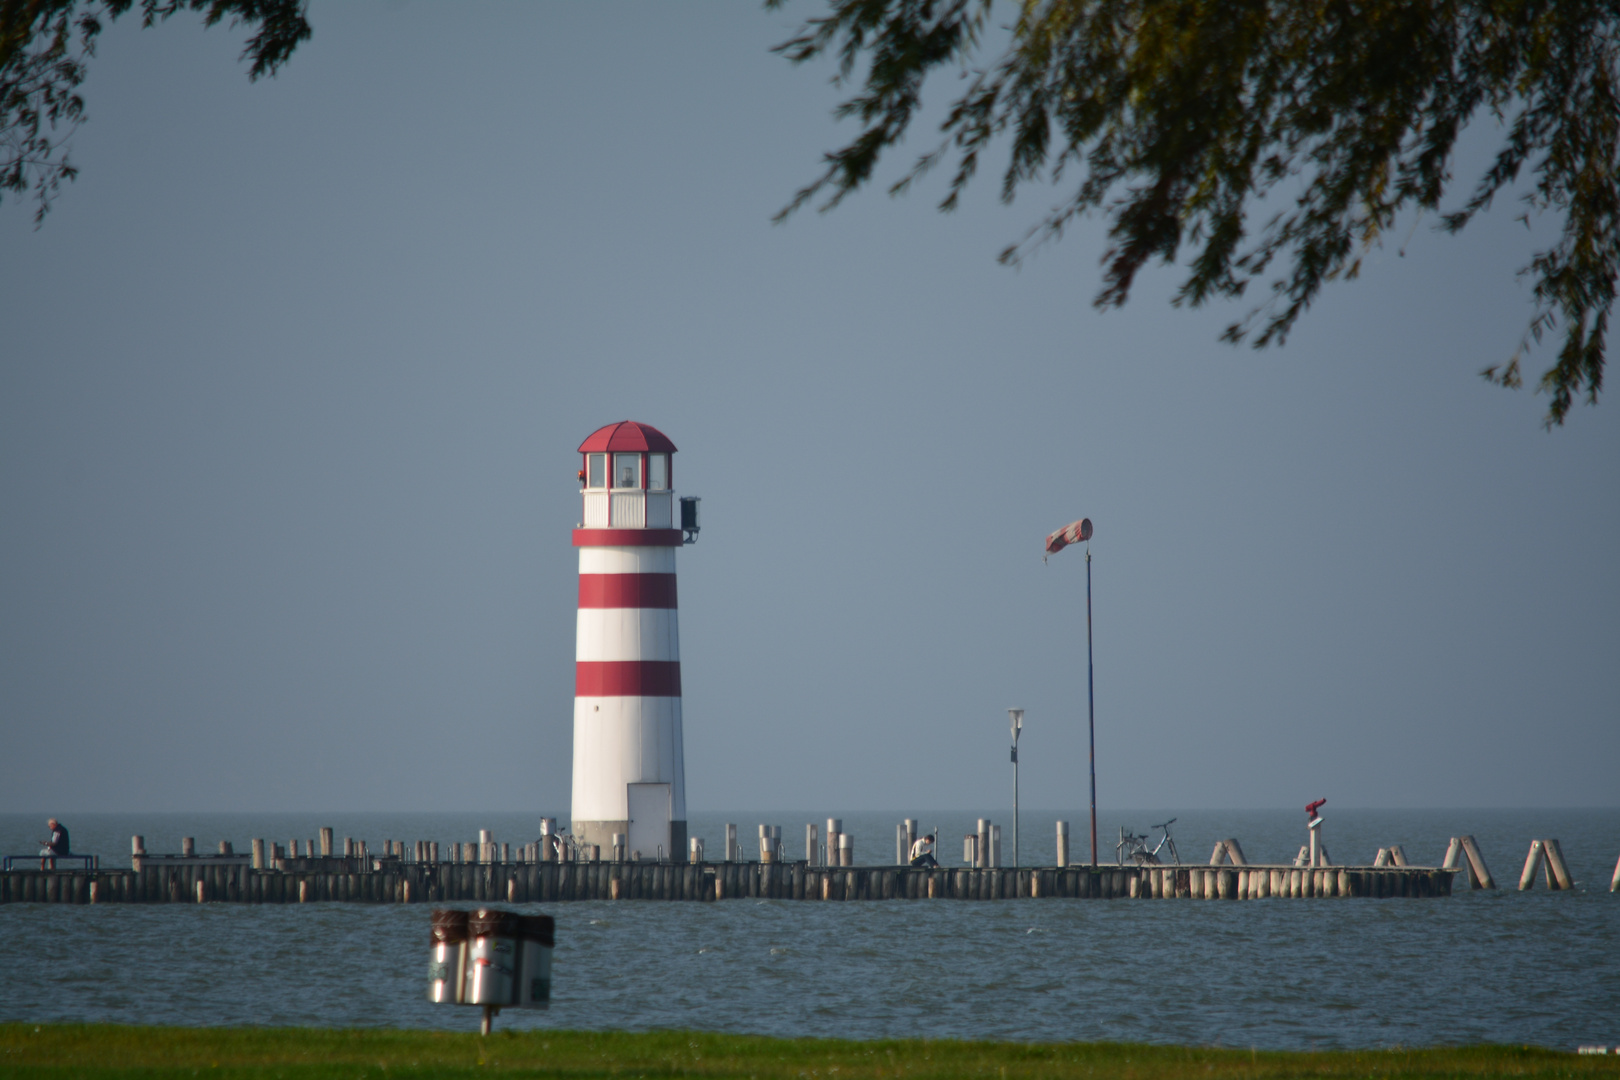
<point>85,862</point>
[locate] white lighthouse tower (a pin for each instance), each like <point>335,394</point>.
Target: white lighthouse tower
<point>629,765</point>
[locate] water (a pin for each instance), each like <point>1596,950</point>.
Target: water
<point>1539,968</point>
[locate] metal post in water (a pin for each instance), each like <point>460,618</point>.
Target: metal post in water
<point>1015,719</point>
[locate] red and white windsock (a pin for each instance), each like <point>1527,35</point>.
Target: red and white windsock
<point>629,765</point>
<point>1073,533</point>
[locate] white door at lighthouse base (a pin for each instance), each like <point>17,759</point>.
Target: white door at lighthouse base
<point>649,819</point>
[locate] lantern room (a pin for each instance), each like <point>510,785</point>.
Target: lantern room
<point>628,478</point>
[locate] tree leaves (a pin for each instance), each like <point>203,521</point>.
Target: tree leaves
<point>1181,117</point>
<point>44,46</point>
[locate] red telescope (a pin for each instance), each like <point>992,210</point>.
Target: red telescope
<point>1312,808</point>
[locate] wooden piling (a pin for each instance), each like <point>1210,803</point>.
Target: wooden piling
<point>1532,863</point>
<point>1557,871</point>
<point>1480,875</point>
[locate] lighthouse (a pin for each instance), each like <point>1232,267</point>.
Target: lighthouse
<point>629,764</point>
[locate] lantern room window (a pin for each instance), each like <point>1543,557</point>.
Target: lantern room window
<point>626,470</point>
<point>596,470</point>
<point>657,472</point>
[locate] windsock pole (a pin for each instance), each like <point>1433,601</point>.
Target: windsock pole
<point>1091,711</point>
<point>1076,532</point>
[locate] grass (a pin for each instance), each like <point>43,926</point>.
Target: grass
<point>104,1050</point>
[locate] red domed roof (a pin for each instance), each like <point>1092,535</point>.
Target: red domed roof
<point>627,435</point>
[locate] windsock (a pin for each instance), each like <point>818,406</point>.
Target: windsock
<point>1072,533</point>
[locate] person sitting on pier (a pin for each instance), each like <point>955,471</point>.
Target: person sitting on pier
<point>922,852</point>
<point>56,845</point>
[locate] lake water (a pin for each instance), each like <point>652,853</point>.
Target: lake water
<point>1537,967</point>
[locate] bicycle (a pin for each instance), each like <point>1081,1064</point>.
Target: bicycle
<point>1136,847</point>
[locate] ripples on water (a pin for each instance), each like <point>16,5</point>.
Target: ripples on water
<point>1484,967</point>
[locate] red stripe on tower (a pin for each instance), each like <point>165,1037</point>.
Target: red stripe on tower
<point>627,678</point>
<point>622,537</point>
<point>627,590</point>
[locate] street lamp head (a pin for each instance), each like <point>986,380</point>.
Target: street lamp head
<point>1015,718</point>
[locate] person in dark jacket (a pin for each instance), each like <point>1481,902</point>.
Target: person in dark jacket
<point>58,843</point>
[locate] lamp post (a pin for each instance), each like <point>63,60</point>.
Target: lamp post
<point>1015,718</point>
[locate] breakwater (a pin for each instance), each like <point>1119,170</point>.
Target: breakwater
<point>232,879</point>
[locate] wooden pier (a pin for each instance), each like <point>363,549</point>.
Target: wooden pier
<point>228,879</point>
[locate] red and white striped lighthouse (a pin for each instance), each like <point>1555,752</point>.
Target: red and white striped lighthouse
<point>629,764</point>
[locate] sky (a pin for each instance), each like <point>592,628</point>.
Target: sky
<point>294,374</point>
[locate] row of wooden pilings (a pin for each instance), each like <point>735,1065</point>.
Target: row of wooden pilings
<point>553,882</point>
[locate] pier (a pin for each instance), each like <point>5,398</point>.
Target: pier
<point>231,879</point>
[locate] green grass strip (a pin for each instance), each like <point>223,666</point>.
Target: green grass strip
<point>103,1050</point>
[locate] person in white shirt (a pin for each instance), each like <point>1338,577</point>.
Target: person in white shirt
<point>922,852</point>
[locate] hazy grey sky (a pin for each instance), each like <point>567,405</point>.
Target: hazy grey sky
<point>293,376</point>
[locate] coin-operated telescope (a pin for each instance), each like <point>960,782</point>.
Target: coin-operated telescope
<point>492,959</point>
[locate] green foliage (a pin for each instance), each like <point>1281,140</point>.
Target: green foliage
<point>44,46</point>
<point>108,1051</point>
<point>1180,118</point>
